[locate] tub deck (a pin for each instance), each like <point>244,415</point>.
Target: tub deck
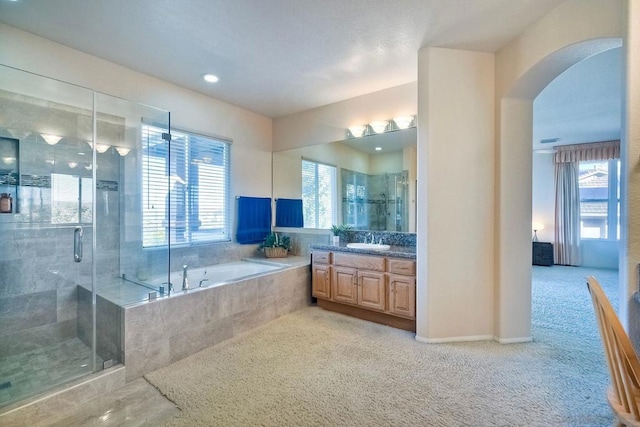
<point>123,292</point>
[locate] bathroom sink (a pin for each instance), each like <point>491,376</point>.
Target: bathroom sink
<point>370,246</point>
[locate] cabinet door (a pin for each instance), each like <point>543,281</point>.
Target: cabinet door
<point>344,285</point>
<point>371,290</point>
<point>321,281</point>
<point>402,295</point>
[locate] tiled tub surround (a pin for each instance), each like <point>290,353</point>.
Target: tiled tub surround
<point>162,331</point>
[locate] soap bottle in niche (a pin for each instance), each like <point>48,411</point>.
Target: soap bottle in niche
<point>6,203</point>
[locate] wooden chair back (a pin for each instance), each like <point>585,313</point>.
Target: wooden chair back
<point>624,367</point>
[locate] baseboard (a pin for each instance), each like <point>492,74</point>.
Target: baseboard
<point>513,340</point>
<point>454,339</point>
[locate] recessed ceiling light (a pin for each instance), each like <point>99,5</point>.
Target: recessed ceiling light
<point>210,78</point>
<point>378,148</point>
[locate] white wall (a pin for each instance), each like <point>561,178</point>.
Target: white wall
<point>251,133</point>
<point>543,192</point>
<point>630,182</point>
<point>568,34</point>
<point>330,122</point>
<point>455,197</point>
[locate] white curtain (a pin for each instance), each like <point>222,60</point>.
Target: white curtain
<point>567,247</point>
<point>567,161</point>
<point>584,152</point>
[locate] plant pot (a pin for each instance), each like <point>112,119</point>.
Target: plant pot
<point>275,252</point>
<point>335,240</point>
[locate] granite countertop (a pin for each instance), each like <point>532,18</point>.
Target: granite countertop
<point>408,252</point>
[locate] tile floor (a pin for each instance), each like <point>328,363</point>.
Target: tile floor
<point>25,374</point>
<point>138,403</point>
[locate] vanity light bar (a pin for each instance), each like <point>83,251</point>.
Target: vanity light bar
<point>381,126</point>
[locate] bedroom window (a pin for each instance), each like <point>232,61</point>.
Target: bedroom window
<point>318,194</point>
<point>599,199</point>
<point>185,187</point>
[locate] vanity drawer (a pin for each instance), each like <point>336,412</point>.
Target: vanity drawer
<point>402,266</point>
<point>322,257</point>
<point>364,262</point>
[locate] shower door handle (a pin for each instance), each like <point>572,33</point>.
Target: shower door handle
<point>77,244</point>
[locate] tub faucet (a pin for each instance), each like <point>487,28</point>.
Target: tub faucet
<point>185,280</point>
<point>203,281</point>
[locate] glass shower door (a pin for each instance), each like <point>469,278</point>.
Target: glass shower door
<point>46,224</point>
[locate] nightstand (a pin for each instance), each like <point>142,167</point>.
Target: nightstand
<point>543,253</point>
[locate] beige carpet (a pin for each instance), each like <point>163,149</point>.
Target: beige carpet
<point>316,368</point>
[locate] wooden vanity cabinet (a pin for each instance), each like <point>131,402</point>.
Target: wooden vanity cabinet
<point>372,290</point>
<point>321,275</point>
<point>344,285</point>
<point>375,288</point>
<point>402,295</point>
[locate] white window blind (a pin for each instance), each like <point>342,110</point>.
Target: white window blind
<point>318,194</point>
<point>185,188</point>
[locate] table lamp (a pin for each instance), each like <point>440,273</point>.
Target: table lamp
<point>536,226</point>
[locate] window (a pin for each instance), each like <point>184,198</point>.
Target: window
<point>185,187</point>
<point>71,199</point>
<point>318,194</point>
<point>599,199</point>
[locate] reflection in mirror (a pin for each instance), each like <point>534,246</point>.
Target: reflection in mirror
<point>374,189</point>
<point>9,173</point>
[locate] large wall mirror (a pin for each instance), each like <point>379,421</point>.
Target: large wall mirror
<point>368,183</point>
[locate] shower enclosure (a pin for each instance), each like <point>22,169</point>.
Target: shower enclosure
<point>70,221</point>
<point>375,202</point>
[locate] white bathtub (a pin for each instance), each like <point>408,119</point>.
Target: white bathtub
<point>205,277</point>
<point>126,291</point>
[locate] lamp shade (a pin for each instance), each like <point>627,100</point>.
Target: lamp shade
<point>537,226</point>
<point>379,126</point>
<point>403,122</point>
<point>51,139</point>
<point>357,131</point>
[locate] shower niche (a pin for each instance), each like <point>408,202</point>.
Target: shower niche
<point>9,174</point>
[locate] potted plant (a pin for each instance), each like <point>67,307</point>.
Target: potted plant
<point>336,230</point>
<point>276,246</point>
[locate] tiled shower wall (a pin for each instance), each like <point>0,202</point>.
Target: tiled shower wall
<point>38,276</point>
<point>38,288</point>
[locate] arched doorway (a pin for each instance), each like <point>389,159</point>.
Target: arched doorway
<point>514,159</point>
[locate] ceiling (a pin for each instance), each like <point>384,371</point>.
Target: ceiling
<point>275,57</point>
<point>583,104</point>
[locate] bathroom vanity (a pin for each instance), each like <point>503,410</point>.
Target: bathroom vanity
<point>379,286</point>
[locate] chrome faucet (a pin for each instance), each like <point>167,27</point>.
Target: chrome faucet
<point>202,281</point>
<point>368,235</point>
<point>185,280</point>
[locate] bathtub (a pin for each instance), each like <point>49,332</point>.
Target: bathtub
<point>237,297</point>
<point>130,290</point>
<point>214,275</point>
